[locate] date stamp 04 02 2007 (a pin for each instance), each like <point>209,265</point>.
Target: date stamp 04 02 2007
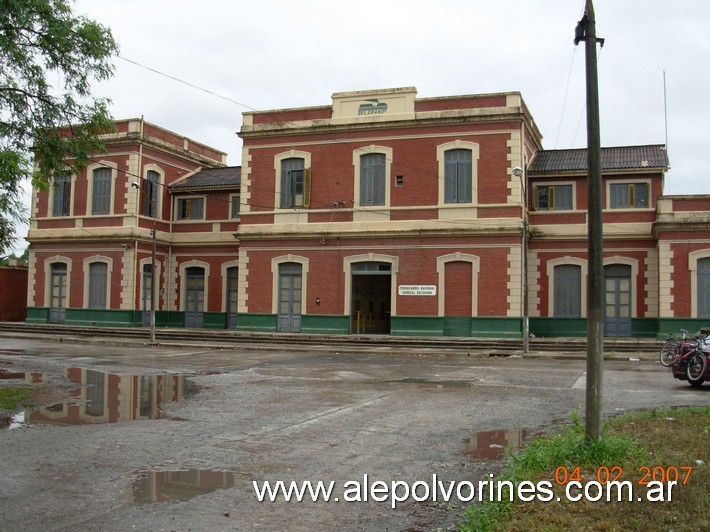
<point>604,474</point>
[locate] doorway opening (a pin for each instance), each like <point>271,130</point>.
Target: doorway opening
<point>371,298</point>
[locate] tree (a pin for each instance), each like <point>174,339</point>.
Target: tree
<point>48,59</point>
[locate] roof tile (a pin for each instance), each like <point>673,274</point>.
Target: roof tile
<point>229,176</point>
<point>618,158</point>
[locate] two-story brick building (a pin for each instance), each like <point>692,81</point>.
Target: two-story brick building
<point>91,234</point>
<point>379,213</point>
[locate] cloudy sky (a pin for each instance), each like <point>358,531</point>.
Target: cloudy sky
<point>272,54</point>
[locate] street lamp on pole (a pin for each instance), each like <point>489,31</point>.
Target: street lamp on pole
<point>151,202</point>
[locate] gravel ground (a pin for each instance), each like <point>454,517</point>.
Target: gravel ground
<point>190,463</point>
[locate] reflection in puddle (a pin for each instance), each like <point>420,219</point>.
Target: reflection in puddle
<point>156,486</point>
<point>110,398</point>
<point>33,377</point>
<point>492,444</point>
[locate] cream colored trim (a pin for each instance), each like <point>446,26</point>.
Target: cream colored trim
<point>183,278</point>
<point>128,261</point>
<point>278,159</point>
<point>515,281</point>
<point>515,158</point>
<point>693,258</point>
<point>89,172</point>
<point>245,180</point>
<point>379,213</point>
<point>365,140</point>
<point>533,284</point>
<point>651,277</point>
<point>634,263</point>
<point>582,263</point>
<point>392,260</point>
<point>225,267</point>
<point>441,150</point>
<point>32,279</point>
<point>283,259</point>
<point>441,271</point>
<point>48,278</point>
<point>665,280</point>
<point>243,285</point>
<point>109,270</point>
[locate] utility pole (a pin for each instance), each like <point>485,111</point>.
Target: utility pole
<point>586,31</point>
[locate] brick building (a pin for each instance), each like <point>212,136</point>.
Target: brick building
<point>380,213</point>
<point>91,234</point>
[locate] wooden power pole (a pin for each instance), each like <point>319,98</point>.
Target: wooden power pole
<point>586,31</point>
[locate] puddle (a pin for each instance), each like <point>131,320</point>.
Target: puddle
<point>109,398</point>
<point>12,422</point>
<point>158,486</point>
<point>491,444</point>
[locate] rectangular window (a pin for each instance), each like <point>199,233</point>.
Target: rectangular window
<point>292,183</point>
<point>458,171</point>
<point>628,195</point>
<point>372,179</point>
<point>553,197</point>
<point>236,206</point>
<point>150,197</point>
<point>97,284</point>
<point>190,209</point>
<point>101,191</point>
<point>62,195</point>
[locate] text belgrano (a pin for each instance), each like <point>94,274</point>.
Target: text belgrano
<point>436,490</point>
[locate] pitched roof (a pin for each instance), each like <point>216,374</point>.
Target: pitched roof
<point>229,176</point>
<point>619,158</point>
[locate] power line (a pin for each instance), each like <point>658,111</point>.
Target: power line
<point>212,93</point>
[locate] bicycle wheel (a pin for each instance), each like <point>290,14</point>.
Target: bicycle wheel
<point>668,352</point>
<point>696,368</point>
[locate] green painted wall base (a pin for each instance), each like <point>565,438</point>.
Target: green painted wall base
<point>325,324</point>
<point>577,327</point>
<point>478,327</point>
<point>256,323</point>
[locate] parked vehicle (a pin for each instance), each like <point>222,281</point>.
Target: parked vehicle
<point>673,348</point>
<point>689,360</point>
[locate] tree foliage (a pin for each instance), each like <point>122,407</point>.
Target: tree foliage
<point>48,59</point>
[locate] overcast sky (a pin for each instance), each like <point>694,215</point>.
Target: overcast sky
<point>272,54</point>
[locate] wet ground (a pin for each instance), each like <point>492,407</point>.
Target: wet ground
<point>150,438</point>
